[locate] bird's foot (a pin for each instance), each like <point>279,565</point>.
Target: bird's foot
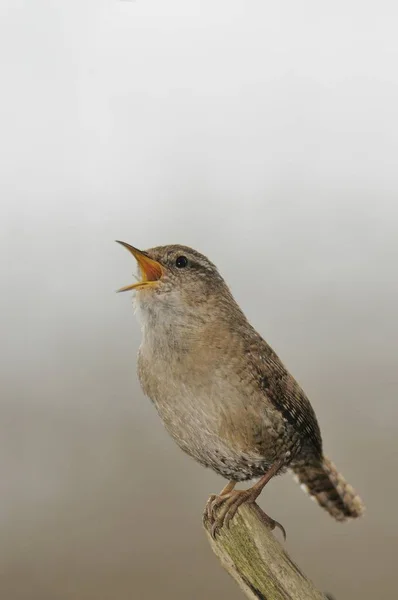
<point>215,500</point>
<point>221,509</point>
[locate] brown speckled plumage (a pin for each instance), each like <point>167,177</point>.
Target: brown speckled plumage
<point>221,391</point>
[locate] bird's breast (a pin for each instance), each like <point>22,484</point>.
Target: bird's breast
<point>212,412</point>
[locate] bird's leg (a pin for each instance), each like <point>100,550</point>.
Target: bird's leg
<point>231,499</point>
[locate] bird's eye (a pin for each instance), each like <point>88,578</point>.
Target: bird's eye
<point>181,262</point>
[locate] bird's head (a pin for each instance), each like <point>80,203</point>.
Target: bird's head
<point>174,279</point>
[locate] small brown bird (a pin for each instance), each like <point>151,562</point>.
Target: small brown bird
<point>221,391</point>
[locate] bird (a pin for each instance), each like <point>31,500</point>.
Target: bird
<point>223,394</point>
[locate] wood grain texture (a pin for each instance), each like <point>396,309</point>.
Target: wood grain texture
<point>256,560</point>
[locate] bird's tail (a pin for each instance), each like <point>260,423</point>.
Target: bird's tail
<point>324,484</point>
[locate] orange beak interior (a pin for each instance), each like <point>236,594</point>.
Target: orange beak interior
<point>151,270</point>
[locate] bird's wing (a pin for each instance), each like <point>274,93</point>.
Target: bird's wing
<point>285,393</point>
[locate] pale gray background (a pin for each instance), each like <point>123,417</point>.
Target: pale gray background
<point>263,134</point>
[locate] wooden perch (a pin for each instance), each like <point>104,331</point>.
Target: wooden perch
<point>258,562</point>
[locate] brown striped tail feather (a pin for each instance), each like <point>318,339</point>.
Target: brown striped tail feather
<point>324,483</point>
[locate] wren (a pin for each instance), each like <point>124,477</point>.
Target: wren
<point>221,391</point>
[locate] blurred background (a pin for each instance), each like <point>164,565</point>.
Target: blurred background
<point>264,135</point>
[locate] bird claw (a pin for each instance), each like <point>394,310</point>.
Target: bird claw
<point>214,530</point>
<point>207,515</point>
<point>283,530</point>
<point>212,517</point>
<point>220,511</point>
<point>269,522</point>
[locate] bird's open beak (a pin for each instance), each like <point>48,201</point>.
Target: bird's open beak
<point>151,270</point>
